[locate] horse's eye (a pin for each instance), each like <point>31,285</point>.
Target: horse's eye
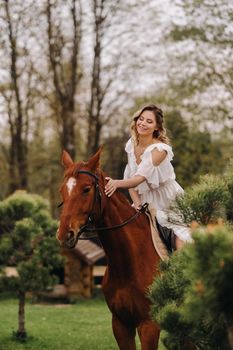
<point>86,189</point>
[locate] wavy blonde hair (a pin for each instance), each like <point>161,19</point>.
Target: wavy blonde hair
<point>159,134</point>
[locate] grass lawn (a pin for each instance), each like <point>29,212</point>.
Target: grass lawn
<point>85,325</point>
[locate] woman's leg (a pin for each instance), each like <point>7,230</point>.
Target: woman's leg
<point>182,234</point>
<point>179,243</point>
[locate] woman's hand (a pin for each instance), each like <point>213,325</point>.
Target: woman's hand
<point>137,207</point>
<point>111,186</point>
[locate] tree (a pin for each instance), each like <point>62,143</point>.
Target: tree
<point>196,153</point>
<point>12,92</point>
<point>65,68</point>
<point>27,242</point>
<point>20,89</point>
<point>201,39</point>
<point>114,156</point>
<point>103,13</point>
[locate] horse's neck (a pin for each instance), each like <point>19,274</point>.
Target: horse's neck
<point>123,244</point>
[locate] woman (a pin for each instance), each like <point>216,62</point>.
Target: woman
<point>149,174</point>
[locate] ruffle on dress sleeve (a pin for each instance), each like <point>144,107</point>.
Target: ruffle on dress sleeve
<point>156,176</point>
<point>129,146</point>
<point>161,147</point>
<point>148,170</point>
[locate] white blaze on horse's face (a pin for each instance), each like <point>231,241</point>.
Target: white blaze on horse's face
<point>71,183</point>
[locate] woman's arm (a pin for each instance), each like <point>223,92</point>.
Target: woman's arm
<point>112,185</point>
<point>135,198</point>
<point>158,156</point>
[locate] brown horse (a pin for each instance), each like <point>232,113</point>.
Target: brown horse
<point>125,235</point>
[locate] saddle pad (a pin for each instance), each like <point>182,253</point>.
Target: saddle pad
<point>157,242</point>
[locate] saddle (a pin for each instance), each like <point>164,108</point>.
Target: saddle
<point>163,238</point>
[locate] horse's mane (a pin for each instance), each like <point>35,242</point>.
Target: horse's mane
<point>120,195</point>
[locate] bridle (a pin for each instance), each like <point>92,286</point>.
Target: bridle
<point>98,198</point>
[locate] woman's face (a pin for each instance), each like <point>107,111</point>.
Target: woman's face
<point>146,123</point>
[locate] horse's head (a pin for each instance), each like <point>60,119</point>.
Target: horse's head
<point>80,198</point>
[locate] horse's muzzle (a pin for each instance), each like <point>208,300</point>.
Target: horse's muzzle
<point>70,240</point>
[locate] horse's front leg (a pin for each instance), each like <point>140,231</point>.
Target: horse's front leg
<point>148,332</point>
<point>125,337</point>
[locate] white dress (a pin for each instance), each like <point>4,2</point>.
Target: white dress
<point>160,187</point>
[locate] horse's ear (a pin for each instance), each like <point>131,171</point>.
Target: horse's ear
<point>93,162</point>
<point>66,160</point>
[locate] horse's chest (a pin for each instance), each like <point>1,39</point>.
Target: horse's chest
<point>127,304</point>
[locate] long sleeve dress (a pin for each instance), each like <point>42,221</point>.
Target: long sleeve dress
<point>160,187</point>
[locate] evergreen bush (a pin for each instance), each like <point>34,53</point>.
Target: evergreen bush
<point>27,243</point>
<point>204,202</point>
<point>192,299</point>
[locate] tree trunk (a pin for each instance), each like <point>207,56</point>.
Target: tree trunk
<point>21,332</point>
<point>90,136</point>
<point>94,125</point>
<point>97,136</point>
<point>12,167</point>
<point>68,131</point>
<point>230,336</point>
<point>65,84</point>
<point>19,143</point>
<point>22,162</point>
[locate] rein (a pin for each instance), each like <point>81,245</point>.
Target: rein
<point>90,219</point>
<point>142,210</point>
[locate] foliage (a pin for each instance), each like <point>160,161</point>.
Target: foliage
<point>204,37</point>
<point>45,169</point>
<point>114,150</point>
<point>27,243</point>
<point>204,202</point>
<point>229,180</point>
<point>192,299</point>
<point>195,152</point>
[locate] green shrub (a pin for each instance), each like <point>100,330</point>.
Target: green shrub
<point>27,243</point>
<point>192,299</point>
<point>204,202</point>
